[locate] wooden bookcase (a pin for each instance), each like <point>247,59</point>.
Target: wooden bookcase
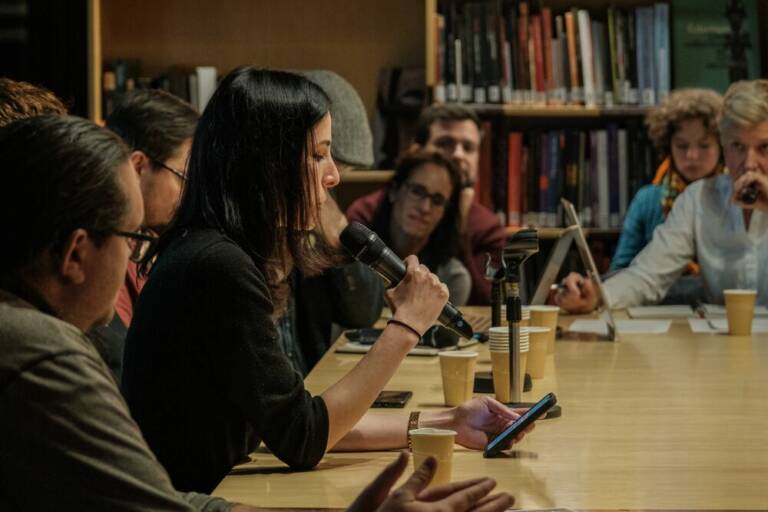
<point>355,38</point>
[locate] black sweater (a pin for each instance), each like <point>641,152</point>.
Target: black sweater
<point>204,374</point>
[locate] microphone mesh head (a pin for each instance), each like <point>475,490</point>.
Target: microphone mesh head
<point>362,243</point>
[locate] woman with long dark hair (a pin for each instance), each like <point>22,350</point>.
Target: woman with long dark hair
<point>204,375</point>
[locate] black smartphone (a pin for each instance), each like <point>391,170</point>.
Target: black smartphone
<point>537,411</point>
<point>365,336</point>
<point>392,399</point>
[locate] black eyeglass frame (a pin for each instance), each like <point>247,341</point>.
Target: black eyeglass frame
<point>137,255</point>
<point>418,190</point>
<point>176,172</point>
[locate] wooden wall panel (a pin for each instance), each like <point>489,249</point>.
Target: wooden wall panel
<point>355,38</point>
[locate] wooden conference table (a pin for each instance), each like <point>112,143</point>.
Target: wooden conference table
<point>653,422</point>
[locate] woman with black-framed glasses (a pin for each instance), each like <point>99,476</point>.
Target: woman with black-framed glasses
<point>418,213</point>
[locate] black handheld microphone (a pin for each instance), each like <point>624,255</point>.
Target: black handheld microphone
<point>366,246</point>
<point>748,194</point>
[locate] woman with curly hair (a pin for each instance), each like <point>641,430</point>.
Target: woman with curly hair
<point>684,131</point>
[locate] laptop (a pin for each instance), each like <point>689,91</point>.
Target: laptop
<point>573,233</point>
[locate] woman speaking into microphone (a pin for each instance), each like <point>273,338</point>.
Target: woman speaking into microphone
<point>204,375</point>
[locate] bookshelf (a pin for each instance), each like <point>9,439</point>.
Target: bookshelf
<point>353,38</point>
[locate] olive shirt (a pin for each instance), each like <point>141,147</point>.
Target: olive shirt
<point>67,441</point>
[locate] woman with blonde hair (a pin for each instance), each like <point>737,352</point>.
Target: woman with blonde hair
<point>709,222</point>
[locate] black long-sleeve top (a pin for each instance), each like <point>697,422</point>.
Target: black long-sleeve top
<point>204,374</point>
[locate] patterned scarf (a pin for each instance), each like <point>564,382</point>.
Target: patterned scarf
<point>672,184</point>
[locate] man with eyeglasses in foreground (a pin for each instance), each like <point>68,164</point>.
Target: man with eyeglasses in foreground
<point>66,437</point>
<point>454,130</point>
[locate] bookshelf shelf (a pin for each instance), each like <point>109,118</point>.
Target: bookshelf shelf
<point>554,233</point>
<point>374,177</point>
<point>558,111</point>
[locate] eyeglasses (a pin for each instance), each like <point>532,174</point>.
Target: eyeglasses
<point>419,192</point>
<point>139,242</point>
<point>179,174</point>
<point>182,176</point>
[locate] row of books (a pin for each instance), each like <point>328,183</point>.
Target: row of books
<point>513,51</point>
<point>192,84</point>
<point>523,175</point>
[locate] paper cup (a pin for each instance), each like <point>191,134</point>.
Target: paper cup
<point>501,374</point>
<point>546,316</point>
<point>537,353</point>
<point>458,370</point>
<point>438,443</point>
<point>740,308</point>
<point>525,313</point>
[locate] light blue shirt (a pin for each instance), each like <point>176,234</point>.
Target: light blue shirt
<point>706,226</point>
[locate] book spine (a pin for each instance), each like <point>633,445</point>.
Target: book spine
<point>587,67</point>
<point>538,59</point>
<point>633,79</point>
<point>613,176</point>
<point>623,175</point>
<point>663,53</point>
<point>484,183</point>
<point>547,40</point>
<point>525,65</point>
<point>514,178</point>
<point>612,49</point>
<point>598,61</point>
<point>492,54</point>
<point>576,92</point>
<point>603,186</point>
<point>440,92</point>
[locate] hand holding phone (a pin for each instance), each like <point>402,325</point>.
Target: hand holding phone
<point>537,411</point>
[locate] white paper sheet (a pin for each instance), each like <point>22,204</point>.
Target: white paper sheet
<point>720,325</point>
<point>719,310</point>
<point>671,311</point>
<point>622,326</point>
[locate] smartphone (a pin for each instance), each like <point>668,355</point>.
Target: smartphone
<point>537,411</point>
<point>392,399</point>
<point>365,336</point>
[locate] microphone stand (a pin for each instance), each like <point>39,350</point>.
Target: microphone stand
<point>496,277</point>
<point>514,316</point>
<point>520,247</point>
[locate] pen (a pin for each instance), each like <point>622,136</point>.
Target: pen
<point>560,286</point>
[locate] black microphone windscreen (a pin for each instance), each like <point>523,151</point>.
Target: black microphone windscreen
<point>362,243</point>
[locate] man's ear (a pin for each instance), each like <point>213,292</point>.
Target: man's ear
<point>78,247</point>
<point>140,162</point>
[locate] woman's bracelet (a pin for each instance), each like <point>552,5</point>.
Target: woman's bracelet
<point>413,423</point>
<point>405,326</point>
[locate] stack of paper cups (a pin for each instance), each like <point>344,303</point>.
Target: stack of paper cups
<point>498,343</point>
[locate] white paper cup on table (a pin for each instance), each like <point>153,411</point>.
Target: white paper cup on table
<point>437,443</point>
<point>458,371</point>
<point>537,352</point>
<point>546,316</point>
<point>499,349</point>
<point>740,308</point>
